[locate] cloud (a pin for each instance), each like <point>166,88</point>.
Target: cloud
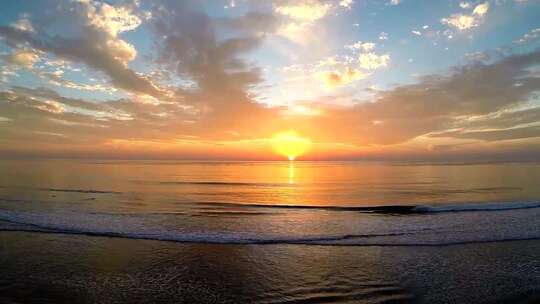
<point>297,32</point>
<point>477,101</point>
<point>529,37</point>
<point>48,100</point>
<point>98,45</point>
<point>336,79</point>
<point>24,58</point>
<point>212,91</point>
<point>442,102</point>
<point>346,3</point>
<point>372,61</point>
<point>467,21</point>
<point>190,47</point>
<point>23,25</point>
<point>51,106</point>
<point>495,135</point>
<point>304,11</point>
<point>481,9</point>
<point>502,125</point>
<point>111,19</point>
<point>340,70</point>
<point>460,21</point>
<point>250,23</point>
<point>395,2</point>
<point>363,46</point>
<point>298,18</point>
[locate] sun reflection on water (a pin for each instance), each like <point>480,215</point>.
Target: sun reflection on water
<point>291,172</point>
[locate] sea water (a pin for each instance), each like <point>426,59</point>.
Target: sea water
<point>309,203</point>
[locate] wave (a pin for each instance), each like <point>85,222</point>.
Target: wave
<point>78,191</point>
<point>405,209</point>
<point>15,222</point>
<point>395,209</point>
<point>277,184</point>
<point>447,225</point>
<point>216,183</point>
<point>382,185</point>
<point>89,191</point>
<point>359,240</point>
<point>476,207</point>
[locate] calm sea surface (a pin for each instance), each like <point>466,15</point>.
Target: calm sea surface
<point>268,232</point>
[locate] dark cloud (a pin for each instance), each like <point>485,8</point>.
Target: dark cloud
<point>251,22</point>
<point>189,43</point>
<point>192,45</point>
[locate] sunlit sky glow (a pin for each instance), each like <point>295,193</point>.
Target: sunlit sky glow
<point>358,79</point>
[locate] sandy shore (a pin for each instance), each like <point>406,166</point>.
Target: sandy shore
<point>51,268</point>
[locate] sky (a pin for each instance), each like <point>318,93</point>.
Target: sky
<point>196,79</point>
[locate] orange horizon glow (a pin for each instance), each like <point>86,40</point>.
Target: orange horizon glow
<point>290,144</point>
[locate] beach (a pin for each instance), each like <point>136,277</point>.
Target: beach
<point>269,152</point>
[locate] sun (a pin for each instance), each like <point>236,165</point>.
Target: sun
<point>290,144</point>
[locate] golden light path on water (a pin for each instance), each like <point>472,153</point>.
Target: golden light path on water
<point>291,172</point>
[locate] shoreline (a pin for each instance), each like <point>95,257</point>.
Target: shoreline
<point>266,243</point>
<point>112,270</point>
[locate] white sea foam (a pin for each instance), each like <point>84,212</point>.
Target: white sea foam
<point>439,226</point>
<point>475,207</point>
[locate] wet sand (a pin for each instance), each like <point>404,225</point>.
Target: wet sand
<point>53,268</point>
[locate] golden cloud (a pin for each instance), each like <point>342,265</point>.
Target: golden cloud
<point>335,78</point>
<point>24,58</point>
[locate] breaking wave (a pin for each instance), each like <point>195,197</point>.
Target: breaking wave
<point>395,209</point>
<point>240,239</point>
<point>435,225</point>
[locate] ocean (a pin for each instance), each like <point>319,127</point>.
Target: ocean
<point>93,231</point>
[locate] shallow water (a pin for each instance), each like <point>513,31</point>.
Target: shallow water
<point>52,268</point>
<point>268,232</point>
<point>324,203</point>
